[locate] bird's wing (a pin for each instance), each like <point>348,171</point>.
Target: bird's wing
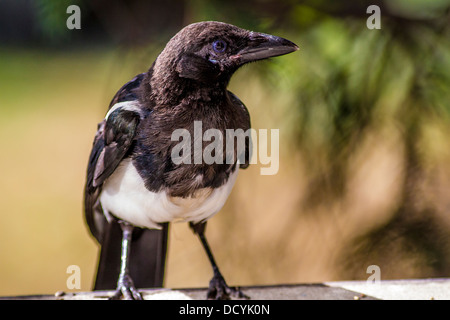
<point>113,142</point>
<point>115,136</point>
<point>128,92</point>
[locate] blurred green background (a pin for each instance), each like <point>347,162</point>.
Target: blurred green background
<point>363,115</point>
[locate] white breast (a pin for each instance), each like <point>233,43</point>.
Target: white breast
<point>125,196</point>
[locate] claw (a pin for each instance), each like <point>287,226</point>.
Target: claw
<point>126,290</point>
<point>219,290</point>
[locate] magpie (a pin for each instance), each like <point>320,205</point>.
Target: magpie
<point>134,188</point>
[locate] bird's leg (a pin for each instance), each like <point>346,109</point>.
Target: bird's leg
<point>125,286</point>
<point>218,288</point>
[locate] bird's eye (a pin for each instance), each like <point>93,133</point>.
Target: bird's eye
<point>219,46</point>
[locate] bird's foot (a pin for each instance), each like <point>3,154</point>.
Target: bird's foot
<point>219,290</point>
<point>126,290</point>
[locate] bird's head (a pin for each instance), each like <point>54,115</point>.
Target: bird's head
<point>210,52</point>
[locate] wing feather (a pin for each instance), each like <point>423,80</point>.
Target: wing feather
<point>112,143</point>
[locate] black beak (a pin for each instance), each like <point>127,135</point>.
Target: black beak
<point>263,46</point>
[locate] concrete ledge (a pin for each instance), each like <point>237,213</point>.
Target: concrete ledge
<point>416,289</point>
<point>423,289</point>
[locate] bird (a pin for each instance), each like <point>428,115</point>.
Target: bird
<point>135,186</point>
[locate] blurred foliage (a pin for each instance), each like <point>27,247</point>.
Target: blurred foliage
<point>364,118</point>
<point>353,81</point>
<point>51,17</point>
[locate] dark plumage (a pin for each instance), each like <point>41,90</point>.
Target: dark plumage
<point>132,179</point>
